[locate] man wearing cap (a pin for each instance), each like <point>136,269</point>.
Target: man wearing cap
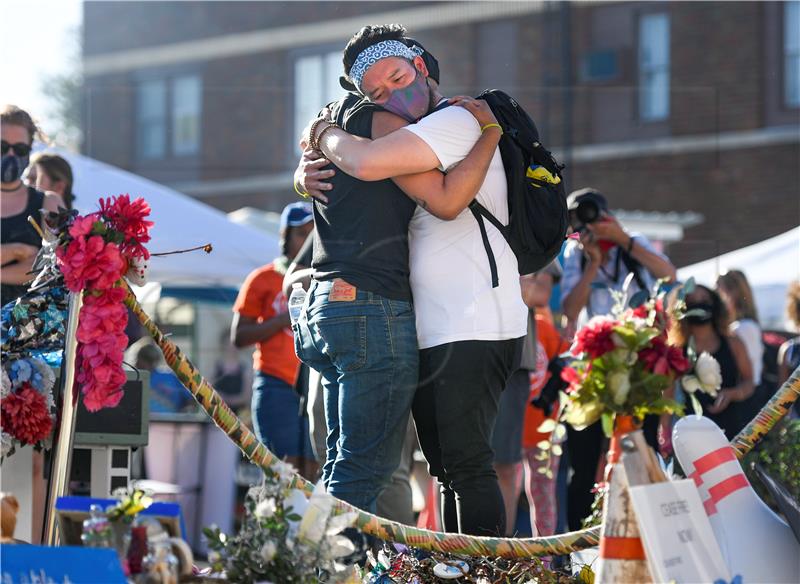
<point>595,264</point>
<point>261,318</point>
<point>604,254</point>
<point>469,332</point>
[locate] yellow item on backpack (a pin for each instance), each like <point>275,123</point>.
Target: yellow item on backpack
<point>542,174</point>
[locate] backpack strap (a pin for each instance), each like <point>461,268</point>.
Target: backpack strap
<point>480,212</point>
<point>633,267</point>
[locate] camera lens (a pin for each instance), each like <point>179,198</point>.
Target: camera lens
<point>587,212</point>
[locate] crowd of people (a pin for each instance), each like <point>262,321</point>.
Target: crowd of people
<point>402,321</point>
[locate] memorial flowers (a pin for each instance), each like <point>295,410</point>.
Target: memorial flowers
<point>93,254</point>
<point>284,537</point>
<point>27,409</point>
<point>624,363</point>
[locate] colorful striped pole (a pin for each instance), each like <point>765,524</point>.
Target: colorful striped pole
<point>772,412</point>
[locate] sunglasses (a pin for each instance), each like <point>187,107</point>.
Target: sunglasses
<point>20,148</point>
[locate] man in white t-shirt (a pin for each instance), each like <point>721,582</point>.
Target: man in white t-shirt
<point>469,332</point>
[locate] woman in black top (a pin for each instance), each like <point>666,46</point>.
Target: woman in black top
<point>19,240</point>
<point>707,328</point>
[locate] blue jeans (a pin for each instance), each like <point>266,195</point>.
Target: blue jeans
<point>366,352</point>
<point>277,417</point>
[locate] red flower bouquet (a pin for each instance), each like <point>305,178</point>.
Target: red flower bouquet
<point>624,364</point>
<point>95,253</point>
<point>26,415</point>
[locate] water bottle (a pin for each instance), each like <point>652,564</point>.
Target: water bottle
<point>296,301</point>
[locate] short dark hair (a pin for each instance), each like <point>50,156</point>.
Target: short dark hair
<point>368,36</point>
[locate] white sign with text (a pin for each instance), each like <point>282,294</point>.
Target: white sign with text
<point>676,533</point>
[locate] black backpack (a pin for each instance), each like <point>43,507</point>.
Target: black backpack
<point>537,204</point>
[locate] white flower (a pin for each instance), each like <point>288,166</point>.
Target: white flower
<point>708,371</point>
<point>579,416</point>
<point>285,471</point>
<point>268,551</point>
<point>5,384</point>
<point>340,547</point>
<point>7,444</point>
<point>691,383</point>
<point>619,384</point>
<point>214,557</point>
<point>266,509</point>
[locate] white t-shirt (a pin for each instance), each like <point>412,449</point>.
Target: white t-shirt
<point>450,277</point>
<point>750,333</point>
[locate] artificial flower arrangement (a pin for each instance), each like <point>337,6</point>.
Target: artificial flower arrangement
<point>93,253</point>
<point>284,537</point>
<point>131,502</point>
<point>27,408</point>
<point>86,254</point>
<point>624,363</point>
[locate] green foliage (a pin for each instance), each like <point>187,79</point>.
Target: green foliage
<point>779,454</point>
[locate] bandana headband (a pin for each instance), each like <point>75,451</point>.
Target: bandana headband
<point>374,53</point>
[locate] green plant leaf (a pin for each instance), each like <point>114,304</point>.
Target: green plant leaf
<point>607,419</point>
<point>698,409</point>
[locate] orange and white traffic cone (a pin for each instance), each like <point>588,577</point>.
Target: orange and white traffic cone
<point>622,557</point>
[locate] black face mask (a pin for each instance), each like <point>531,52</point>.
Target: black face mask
<point>707,315</point>
<point>13,166</point>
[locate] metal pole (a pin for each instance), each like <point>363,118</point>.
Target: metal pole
<point>65,431</point>
<point>567,85</point>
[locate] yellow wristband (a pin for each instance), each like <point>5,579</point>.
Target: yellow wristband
<point>297,190</point>
<point>487,126</point>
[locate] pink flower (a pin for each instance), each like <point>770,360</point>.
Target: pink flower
<point>111,265</point>
<point>570,375</point>
<point>129,218</point>
<point>663,359</point>
<point>76,261</point>
<point>82,226</point>
<point>24,415</point>
<point>595,338</point>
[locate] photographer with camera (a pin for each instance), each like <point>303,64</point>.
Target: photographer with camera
<point>595,264</point>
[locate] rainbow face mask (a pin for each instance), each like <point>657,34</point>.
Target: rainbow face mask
<point>411,102</point>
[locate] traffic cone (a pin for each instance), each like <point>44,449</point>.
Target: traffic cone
<point>621,557</point>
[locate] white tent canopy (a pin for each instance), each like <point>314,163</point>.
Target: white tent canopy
<point>769,265</point>
<point>180,223</point>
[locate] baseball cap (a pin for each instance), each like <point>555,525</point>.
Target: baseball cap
<point>296,214</point>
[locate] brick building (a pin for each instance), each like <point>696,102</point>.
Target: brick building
<point>687,114</point>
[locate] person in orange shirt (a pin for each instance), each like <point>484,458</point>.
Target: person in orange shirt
<point>261,318</point>
<point>540,486</point>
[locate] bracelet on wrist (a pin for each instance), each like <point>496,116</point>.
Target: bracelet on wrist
<point>322,133</point>
<point>487,126</point>
<point>312,142</point>
<point>630,244</point>
<point>297,190</point>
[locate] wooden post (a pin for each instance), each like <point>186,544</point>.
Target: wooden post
<point>622,556</point>
<point>65,431</point>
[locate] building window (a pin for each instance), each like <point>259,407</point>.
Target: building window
<point>152,123</point>
<point>316,83</point>
<point>654,67</point>
<point>791,54</point>
<point>186,107</point>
